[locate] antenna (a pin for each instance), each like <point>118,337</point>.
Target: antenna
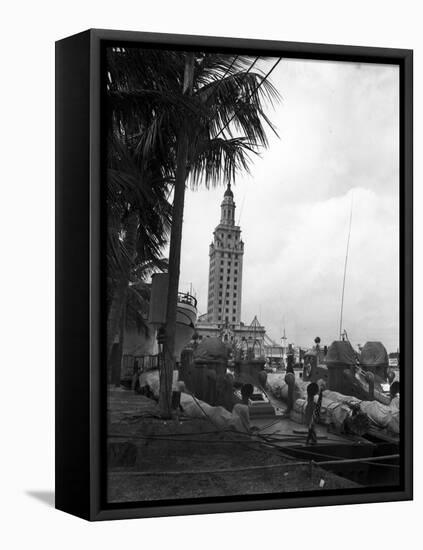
<point>345,268</point>
<point>284,339</point>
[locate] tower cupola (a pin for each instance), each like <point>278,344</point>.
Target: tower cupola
<point>228,192</point>
<point>227,216</point>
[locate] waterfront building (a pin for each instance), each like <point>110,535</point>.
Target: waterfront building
<point>226,254</point>
<point>223,317</point>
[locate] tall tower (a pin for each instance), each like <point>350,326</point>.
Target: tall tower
<point>225,270</point>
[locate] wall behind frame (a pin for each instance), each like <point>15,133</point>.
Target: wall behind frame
<point>27,291</point>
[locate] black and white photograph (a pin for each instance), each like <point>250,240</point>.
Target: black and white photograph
<point>212,245</point>
<point>251,275</point>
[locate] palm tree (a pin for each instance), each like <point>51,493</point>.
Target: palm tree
<point>134,312</point>
<point>220,94</point>
<point>138,209</point>
<point>195,117</point>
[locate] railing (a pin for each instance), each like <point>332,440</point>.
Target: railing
<point>186,298</point>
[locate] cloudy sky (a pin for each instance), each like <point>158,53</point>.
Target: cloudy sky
<point>338,145</point>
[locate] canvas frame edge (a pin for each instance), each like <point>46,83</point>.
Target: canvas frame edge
<point>402,57</point>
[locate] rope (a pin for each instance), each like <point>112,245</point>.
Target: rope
<point>226,73</point>
<point>216,471</point>
<point>246,468</point>
<point>251,95</point>
<point>365,460</point>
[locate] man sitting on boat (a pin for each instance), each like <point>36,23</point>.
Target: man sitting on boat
<point>241,412</point>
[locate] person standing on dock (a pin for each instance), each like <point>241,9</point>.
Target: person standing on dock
<point>394,392</point>
<point>290,382</point>
<point>312,411</point>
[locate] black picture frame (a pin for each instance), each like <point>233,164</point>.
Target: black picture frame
<point>80,411</point>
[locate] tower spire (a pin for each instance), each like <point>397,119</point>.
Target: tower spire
<point>227,216</point>
<point>228,192</point>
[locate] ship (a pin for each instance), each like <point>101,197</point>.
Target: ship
<point>140,348</point>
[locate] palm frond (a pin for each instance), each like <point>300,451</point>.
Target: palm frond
<point>220,159</point>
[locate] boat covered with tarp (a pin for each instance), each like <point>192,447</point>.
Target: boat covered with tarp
<point>341,370</point>
<point>374,358</point>
<point>341,353</point>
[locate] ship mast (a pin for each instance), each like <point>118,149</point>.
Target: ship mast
<point>284,344</point>
<point>345,269</point>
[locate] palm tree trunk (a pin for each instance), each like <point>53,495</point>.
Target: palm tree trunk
<point>121,289</point>
<point>166,373</point>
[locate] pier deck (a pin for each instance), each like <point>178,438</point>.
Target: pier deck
<point>152,459</point>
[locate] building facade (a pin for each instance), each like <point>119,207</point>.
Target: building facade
<point>223,317</point>
<point>225,267</point>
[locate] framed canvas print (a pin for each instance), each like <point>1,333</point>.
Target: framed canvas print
<point>234,274</point>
